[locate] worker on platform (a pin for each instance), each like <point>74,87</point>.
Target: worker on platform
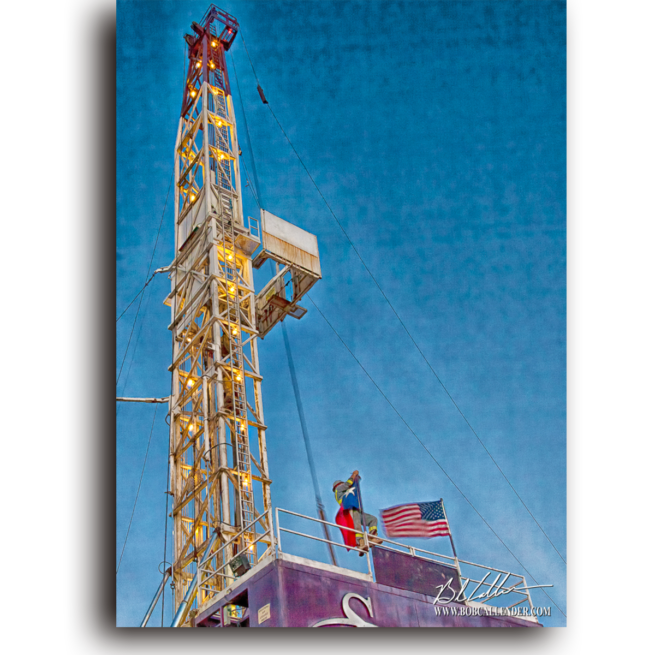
<point>348,496</point>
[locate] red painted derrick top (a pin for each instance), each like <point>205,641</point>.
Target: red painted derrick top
<point>211,39</point>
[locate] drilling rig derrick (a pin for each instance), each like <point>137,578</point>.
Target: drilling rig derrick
<point>219,481</point>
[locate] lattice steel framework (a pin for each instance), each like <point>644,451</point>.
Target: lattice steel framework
<point>218,465</point>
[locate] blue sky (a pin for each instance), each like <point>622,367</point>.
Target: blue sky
<point>437,133</point>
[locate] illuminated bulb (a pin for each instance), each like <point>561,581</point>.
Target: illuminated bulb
<point>193,197</point>
<point>189,383</point>
<point>214,44</point>
<point>193,94</point>
<point>234,331</point>
<point>212,65</point>
<point>222,156</point>
<point>231,289</point>
<point>220,123</point>
<point>198,64</point>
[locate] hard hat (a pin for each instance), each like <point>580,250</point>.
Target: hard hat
<point>335,483</point>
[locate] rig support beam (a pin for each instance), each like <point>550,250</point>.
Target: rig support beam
<point>217,431</point>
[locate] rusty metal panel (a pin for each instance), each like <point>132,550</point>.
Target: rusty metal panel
<point>291,254</point>
<point>290,243</point>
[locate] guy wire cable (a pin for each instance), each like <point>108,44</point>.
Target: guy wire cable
<point>368,270</point>
<point>292,371</point>
<point>147,275</point>
<point>145,459</point>
<point>429,453</point>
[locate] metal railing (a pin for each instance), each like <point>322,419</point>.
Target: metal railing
<point>226,555</point>
<point>366,551</point>
<point>253,226</point>
<point>503,586</point>
<point>488,588</point>
<point>500,588</point>
<point>477,582</point>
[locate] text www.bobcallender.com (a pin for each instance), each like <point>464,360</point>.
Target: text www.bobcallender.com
<point>488,611</point>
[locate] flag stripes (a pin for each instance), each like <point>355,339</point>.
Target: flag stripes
<point>416,520</point>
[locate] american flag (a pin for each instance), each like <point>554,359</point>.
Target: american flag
<point>416,520</point>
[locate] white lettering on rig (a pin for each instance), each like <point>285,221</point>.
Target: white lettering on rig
<point>351,619</point>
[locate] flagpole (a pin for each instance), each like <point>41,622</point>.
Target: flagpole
<point>450,535</point>
<point>361,505</point>
<point>452,543</point>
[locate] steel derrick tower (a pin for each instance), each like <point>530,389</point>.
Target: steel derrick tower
<point>233,564</point>
<point>213,322</point>
<point>219,481</point>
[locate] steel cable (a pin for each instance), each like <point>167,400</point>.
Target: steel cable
<point>393,309</point>
<point>143,468</point>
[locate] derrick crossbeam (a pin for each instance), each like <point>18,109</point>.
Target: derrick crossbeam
<point>217,427</point>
